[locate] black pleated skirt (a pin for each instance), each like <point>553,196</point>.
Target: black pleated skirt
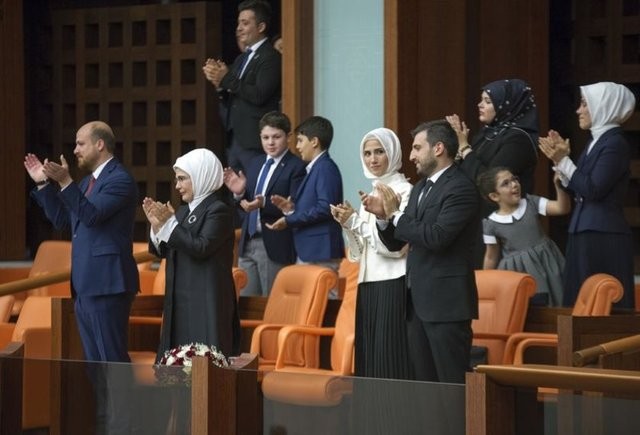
<point>381,346</point>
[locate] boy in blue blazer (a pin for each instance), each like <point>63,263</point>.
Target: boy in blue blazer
<point>317,237</point>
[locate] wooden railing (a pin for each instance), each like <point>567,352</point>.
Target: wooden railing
<point>55,277</point>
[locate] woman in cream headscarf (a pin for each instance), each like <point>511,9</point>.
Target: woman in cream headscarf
<point>600,240</point>
<point>197,242</point>
<point>381,342</point>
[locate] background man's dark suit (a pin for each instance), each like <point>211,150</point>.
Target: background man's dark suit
<point>246,99</point>
<point>285,180</point>
<point>440,231</point>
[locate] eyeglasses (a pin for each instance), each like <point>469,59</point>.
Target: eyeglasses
<point>509,181</point>
<point>182,179</point>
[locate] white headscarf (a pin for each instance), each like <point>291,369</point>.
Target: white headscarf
<point>609,104</point>
<point>391,145</point>
<point>205,171</point>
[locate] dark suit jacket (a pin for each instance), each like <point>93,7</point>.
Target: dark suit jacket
<point>102,230</point>
<point>512,148</point>
<point>441,232</point>
<point>256,93</point>
<point>200,299</point>
<point>284,182</point>
<point>600,185</point>
<point>316,235</point>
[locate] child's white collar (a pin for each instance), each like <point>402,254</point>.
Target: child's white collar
<point>508,218</point>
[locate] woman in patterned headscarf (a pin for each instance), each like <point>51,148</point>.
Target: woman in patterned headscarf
<point>600,240</point>
<point>509,136</point>
<point>197,242</point>
<point>381,343</point>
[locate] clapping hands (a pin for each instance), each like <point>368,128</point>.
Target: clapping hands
<point>554,146</point>
<point>157,213</point>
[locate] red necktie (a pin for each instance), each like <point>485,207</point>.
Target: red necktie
<point>92,181</point>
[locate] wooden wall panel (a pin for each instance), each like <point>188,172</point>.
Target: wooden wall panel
<point>438,54</point>
<point>12,128</point>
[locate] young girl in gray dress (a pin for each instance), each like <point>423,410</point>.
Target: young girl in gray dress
<point>514,237</point>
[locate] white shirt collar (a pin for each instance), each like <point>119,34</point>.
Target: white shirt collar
<point>437,175</point>
<point>508,218</point>
<point>99,169</point>
<point>312,162</point>
<point>255,46</point>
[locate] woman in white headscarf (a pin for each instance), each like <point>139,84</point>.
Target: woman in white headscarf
<point>381,343</point>
<point>197,242</point>
<point>600,240</point>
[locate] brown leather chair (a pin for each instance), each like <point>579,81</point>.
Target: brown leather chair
<point>298,297</point>
<point>313,386</point>
<point>597,295</point>
<point>503,300</point>
<point>33,329</point>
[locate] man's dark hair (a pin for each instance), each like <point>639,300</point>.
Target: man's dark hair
<point>277,120</point>
<point>318,127</point>
<point>439,131</point>
<point>261,9</point>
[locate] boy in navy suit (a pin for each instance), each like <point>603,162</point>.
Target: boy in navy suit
<point>317,237</point>
<point>264,252</point>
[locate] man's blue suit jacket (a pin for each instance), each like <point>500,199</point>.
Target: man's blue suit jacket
<point>316,235</point>
<point>101,225</point>
<point>284,181</point>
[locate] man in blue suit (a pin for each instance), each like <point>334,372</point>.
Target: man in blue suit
<point>100,212</point>
<point>263,252</point>
<point>316,235</point>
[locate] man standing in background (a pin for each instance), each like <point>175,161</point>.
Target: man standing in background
<point>250,87</point>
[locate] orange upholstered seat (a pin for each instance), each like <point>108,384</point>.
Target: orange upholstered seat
<point>597,295</point>
<point>298,297</point>
<point>503,299</point>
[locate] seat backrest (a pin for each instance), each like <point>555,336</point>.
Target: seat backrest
<point>240,279</point>
<point>52,256</point>
<point>159,282</point>
<point>6,304</point>
<point>35,313</point>
<point>348,274</point>
<point>143,247</point>
<point>298,297</point>
<point>342,344</point>
<point>503,299</point>
<point>597,294</point>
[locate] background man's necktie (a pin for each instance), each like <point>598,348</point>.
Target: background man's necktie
<point>424,192</point>
<point>92,181</point>
<point>253,215</point>
<point>245,60</point>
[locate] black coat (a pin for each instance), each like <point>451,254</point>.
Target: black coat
<point>200,300</point>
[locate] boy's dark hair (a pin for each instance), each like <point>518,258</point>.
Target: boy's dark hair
<point>439,131</point>
<point>261,9</point>
<point>277,120</point>
<point>318,127</point>
<point>486,181</point>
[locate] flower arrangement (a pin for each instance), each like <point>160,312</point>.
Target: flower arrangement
<point>183,356</point>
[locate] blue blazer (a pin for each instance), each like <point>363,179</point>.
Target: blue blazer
<point>317,237</point>
<point>600,184</point>
<point>102,230</point>
<point>284,181</point>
